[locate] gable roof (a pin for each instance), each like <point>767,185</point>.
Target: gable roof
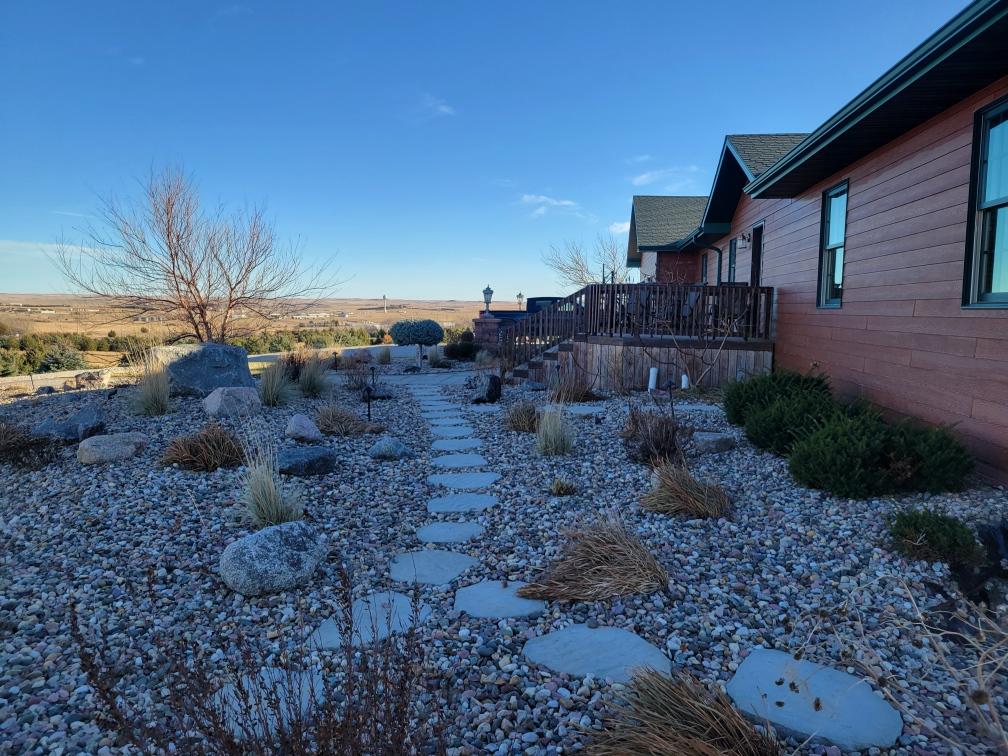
<point>658,222</point>
<point>961,58</point>
<point>757,152</point>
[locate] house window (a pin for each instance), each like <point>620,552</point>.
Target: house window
<point>703,268</point>
<point>831,256</point>
<point>731,261</point>
<point>988,269</point>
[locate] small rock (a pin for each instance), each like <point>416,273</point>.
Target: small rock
<point>306,460</point>
<point>86,422</point>
<point>111,448</point>
<point>232,401</point>
<point>389,447</point>
<point>707,442</point>
<point>301,428</point>
<point>273,559</point>
<point>488,389</point>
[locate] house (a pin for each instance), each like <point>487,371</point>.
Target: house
<point>883,235</point>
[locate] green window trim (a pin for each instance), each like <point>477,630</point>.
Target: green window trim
<point>732,245</point>
<point>832,246</point>
<point>985,279</point>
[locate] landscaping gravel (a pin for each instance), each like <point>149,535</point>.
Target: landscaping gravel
<point>135,546</point>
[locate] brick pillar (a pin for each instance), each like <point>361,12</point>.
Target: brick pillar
<point>485,329</point>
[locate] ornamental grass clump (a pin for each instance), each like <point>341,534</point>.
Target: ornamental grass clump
<point>679,716</point>
<point>651,437</point>
<point>435,359</point>
<point>311,379</point>
<point>572,388</point>
<point>153,389</point>
<point>333,420</point>
<point>19,447</point>
<point>384,356</point>
<point>562,487</point>
<point>935,537</point>
<point>522,417</point>
<point>275,387</point>
<point>599,561</point>
<point>677,492</point>
<point>554,434</point>
<point>209,449</point>
<point>266,502</point>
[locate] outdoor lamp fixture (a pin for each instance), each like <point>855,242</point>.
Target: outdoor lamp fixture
<point>487,296</point>
<point>367,396</point>
<point>520,298</point>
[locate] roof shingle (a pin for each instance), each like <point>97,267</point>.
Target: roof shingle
<point>661,221</point>
<point>760,151</point>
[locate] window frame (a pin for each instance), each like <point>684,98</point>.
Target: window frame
<point>703,269</point>
<point>822,302</point>
<point>732,255</point>
<point>978,210</point>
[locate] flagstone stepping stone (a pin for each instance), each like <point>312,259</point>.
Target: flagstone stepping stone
<point>696,407</point>
<point>452,431</point>
<point>444,422</point>
<point>449,532</point>
<point>375,617</point>
<point>495,599</point>
<point>456,444</point>
<point>448,412</point>
<point>295,690</point>
<point>433,405</point>
<point>430,566</point>
<point>461,502</point>
<point>467,480</point>
<point>484,408</point>
<point>810,700</point>
<point>602,652</point>
<point>454,461</point>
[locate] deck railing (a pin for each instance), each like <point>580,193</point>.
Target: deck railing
<point>689,312</point>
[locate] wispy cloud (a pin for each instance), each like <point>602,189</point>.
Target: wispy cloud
<point>430,107</point>
<point>544,204</point>
<point>638,159</point>
<point>675,179</point>
<point>70,214</point>
<point>619,227</point>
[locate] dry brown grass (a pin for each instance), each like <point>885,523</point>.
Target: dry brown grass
<point>677,492</point>
<point>652,436</point>
<point>19,448</point>
<point>601,560</point>
<point>210,448</point>
<point>571,388</point>
<point>522,417</point>
<point>562,487</point>
<point>333,420</point>
<point>679,716</point>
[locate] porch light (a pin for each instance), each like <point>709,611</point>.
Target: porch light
<point>487,296</point>
<point>521,299</point>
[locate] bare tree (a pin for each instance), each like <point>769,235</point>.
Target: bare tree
<point>212,275</point>
<point>576,267</point>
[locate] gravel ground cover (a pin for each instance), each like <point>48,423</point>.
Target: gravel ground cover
<point>136,545</point>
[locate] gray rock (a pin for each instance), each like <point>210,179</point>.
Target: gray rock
<point>449,532</point>
<point>232,401</point>
<point>91,379</point>
<point>306,460</point>
<point>389,447</point>
<point>84,423</point>
<point>44,390</point>
<point>302,428</point>
<point>461,502</point>
<point>456,444</point>
<point>707,442</point>
<point>111,448</point>
<point>534,385</point>
<point>496,599</point>
<point>456,461</point>
<point>488,389</point>
<point>430,566</point>
<point>603,652</point>
<point>810,700</point>
<point>198,369</point>
<point>374,619</point>
<point>465,481</point>
<point>250,703</point>
<point>274,559</point>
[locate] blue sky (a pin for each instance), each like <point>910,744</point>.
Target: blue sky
<point>429,147</point>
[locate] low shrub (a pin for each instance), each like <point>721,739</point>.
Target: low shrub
<point>599,561</point>
<point>266,501</point>
<point>435,359</point>
<point>776,426</point>
<point>457,334</point>
<point>333,420</point>
<point>275,387</point>
<point>20,448</point>
<point>759,391</point>
<point>677,492</point>
<point>846,455</point>
<point>464,351</point>
<point>562,487</point>
<point>554,435</point>
<point>210,448</point>
<point>522,417</point>
<point>935,537</point>
<point>650,437</point>
<point>312,380</point>
<point>416,332</point>
<point>61,357</point>
<point>384,356</point>
<point>572,388</point>
<point>658,714</point>
<point>927,459</point>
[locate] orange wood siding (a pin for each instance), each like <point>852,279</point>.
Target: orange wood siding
<point>902,340</point>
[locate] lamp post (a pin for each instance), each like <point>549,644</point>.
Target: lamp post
<point>521,300</point>
<point>487,296</point>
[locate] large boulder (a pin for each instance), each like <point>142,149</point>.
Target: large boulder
<point>96,450</point>
<point>198,369</point>
<point>85,422</point>
<point>232,401</point>
<point>301,428</point>
<point>488,389</point>
<point>273,559</point>
<point>306,460</point>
